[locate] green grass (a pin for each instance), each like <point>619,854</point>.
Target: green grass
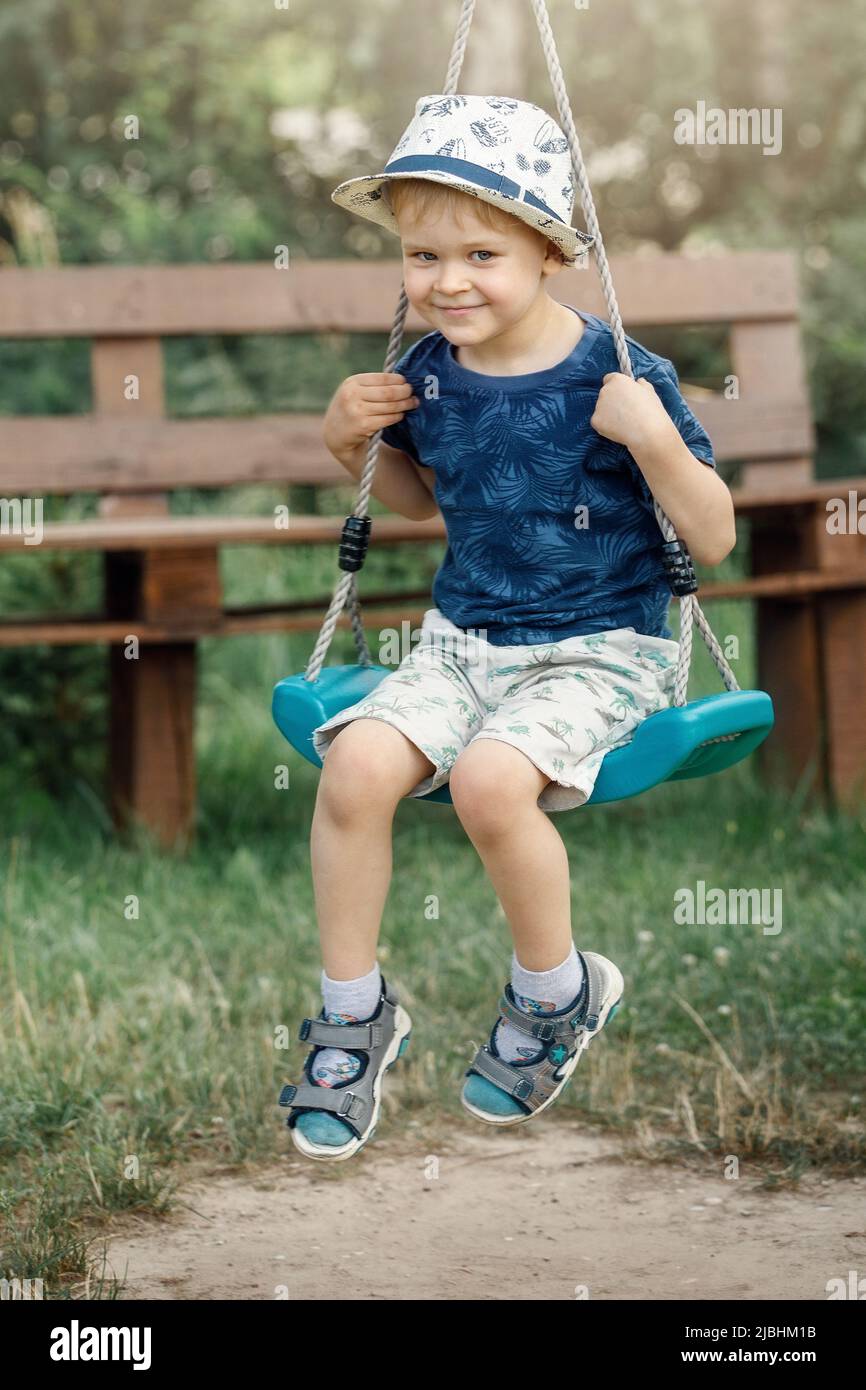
<point>141,993</point>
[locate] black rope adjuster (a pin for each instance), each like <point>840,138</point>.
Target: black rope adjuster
<point>679,568</point>
<point>354,541</point>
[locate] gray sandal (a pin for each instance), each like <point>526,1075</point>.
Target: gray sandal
<point>378,1042</point>
<point>509,1093</point>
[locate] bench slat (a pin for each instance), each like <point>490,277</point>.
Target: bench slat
<point>360,296</point>
<point>107,453</point>
<point>185,532</point>
<point>90,453</point>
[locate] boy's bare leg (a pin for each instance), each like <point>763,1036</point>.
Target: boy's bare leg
<point>495,789</point>
<point>367,769</point>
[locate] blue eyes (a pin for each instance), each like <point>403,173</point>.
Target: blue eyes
<point>491,254</point>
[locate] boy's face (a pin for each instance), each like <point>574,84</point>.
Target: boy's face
<point>496,275</point>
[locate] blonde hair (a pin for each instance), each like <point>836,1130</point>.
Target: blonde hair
<point>426,197</point>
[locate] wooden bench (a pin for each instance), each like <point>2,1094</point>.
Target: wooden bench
<point>161,572</point>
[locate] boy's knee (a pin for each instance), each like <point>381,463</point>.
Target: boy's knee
<point>488,787</point>
<point>357,769</point>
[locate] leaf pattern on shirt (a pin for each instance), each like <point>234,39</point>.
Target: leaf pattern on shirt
<point>514,458</point>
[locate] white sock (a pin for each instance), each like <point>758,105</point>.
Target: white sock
<point>345,1001</point>
<point>538,992</point>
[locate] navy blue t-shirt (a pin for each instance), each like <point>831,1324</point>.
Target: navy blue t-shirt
<point>514,458</point>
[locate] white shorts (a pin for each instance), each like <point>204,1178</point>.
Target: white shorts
<point>564,704</point>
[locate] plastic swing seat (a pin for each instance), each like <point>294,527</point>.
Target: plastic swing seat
<point>691,740</point>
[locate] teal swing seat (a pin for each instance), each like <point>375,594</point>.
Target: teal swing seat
<point>690,739</point>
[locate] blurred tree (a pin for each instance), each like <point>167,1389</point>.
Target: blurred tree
<point>496,55</point>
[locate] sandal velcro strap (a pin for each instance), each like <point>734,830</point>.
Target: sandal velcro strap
<point>530,1088</point>
<point>546,1030</point>
<point>561,1027</point>
<point>345,1035</point>
<point>341,1102</point>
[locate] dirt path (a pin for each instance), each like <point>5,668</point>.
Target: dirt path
<point>509,1216</point>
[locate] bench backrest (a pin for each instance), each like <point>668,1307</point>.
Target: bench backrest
<point>127,448</point>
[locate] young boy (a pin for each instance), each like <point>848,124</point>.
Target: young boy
<point>549,640</point>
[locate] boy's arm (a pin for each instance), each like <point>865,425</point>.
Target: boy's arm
<point>653,420</point>
<point>397,481</point>
<point>692,494</point>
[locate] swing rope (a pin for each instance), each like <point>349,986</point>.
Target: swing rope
<point>346,592</point>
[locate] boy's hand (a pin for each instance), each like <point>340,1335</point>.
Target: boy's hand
<point>630,412</point>
<point>364,404</point>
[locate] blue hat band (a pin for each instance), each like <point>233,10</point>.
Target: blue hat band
<point>471,173</point>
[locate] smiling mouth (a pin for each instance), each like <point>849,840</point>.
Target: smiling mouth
<point>457,308</point>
